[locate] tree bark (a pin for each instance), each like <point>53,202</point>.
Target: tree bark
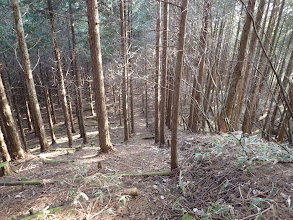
<point>78,81</point>
<point>164,72</point>
<point>247,74</point>
<point>48,106</point>
<point>29,78</point>
<point>60,74</point>
<point>131,78</point>
<point>226,113</point>
<point>6,169</point>
<point>178,76</point>
<point>91,99</point>
<point>125,73</point>
<point>201,72</point>
<point>96,55</point>
<point>157,73</point>
<point>15,146</point>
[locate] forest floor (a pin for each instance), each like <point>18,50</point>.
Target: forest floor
<point>224,176</point>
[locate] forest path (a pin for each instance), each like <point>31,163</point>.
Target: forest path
<point>140,154</point>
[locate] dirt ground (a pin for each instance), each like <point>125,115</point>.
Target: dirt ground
<point>218,178</point>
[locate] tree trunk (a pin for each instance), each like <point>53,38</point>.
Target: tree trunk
<point>28,117</point>
<point>157,74</point>
<point>164,72</point>
<point>96,55</point>
<point>15,146</point>
<point>29,78</point>
<point>51,99</point>
<point>78,82</point>
<point>250,109</point>
<point>251,56</point>
<point>169,103</point>
<point>91,99</point>
<point>124,74</point>
<point>6,169</point>
<point>146,105</point>
<point>48,106</point>
<point>287,73</point>
<point>131,78</point>
<point>226,114</point>
<point>70,114</point>
<point>60,74</point>
<point>12,102</point>
<point>178,76</point>
<point>201,72</point>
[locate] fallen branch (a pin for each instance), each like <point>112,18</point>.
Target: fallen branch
<point>38,182</point>
<point>20,183</point>
<point>162,173</point>
<point>50,181</point>
<point>50,161</point>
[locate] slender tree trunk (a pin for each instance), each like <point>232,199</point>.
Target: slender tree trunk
<point>169,102</point>
<point>131,79</point>
<point>51,99</point>
<point>19,121</point>
<point>48,106</point>
<point>96,55</point>
<point>164,72</point>
<point>125,74</point>
<point>201,73</point>
<point>70,114</point>
<point>178,76</point>
<point>119,103</point>
<point>250,111</point>
<point>287,73</point>
<point>91,99</point>
<point>226,114</point>
<point>12,102</point>
<point>146,105</point>
<point>28,117</point>
<point>15,146</point>
<point>157,74</point>
<point>251,56</point>
<point>60,74</point>
<point>29,78</point>
<point>78,81</point>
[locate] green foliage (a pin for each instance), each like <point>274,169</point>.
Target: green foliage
<point>258,203</point>
<point>187,217</point>
<point>217,210</point>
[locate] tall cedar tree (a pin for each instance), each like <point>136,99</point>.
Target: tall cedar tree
<point>164,72</point>
<point>177,92</point>
<point>60,74</point>
<point>226,113</point>
<point>157,73</point>
<point>96,55</point>
<point>34,104</point>
<point>12,136</point>
<point>125,69</point>
<point>78,81</point>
